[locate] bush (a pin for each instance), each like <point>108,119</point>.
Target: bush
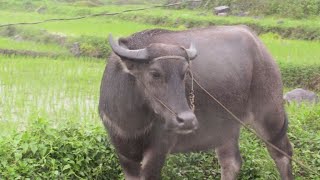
<point>75,152</point>
<point>93,46</point>
<point>302,75</point>
<point>68,153</point>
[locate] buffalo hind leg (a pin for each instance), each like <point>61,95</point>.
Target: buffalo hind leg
<point>229,159</point>
<point>283,163</point>
<point>273,128</point>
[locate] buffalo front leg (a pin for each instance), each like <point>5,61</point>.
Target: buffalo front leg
<point>131,168</point>
<point>155,154</point>
<point>152,163</point>
<point>129,152</point>
<point>229,159</point>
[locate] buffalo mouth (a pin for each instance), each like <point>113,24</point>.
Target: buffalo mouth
<point>180,131</point>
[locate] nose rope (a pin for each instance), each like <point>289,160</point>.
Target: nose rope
<point>191,94</point>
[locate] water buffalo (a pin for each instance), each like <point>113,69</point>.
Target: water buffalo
<point>144,98</point>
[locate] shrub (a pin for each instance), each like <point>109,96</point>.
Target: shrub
<point>67,153</point>
<point>93,46</point>
<point>76,152</point>
<point>301,75</point>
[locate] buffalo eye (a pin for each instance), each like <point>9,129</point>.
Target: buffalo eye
<point>155,74</point>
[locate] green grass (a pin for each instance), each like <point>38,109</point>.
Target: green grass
<point>305,29</point>
<point>201,16</point>
<point>100,27</point>
<point>7,43</point>
<point>173,14</point>
<point>292,51</point>
<point>59,90</point>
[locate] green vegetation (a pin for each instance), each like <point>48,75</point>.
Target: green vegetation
<point>7,43</point>
<point>70,152</point>
<point>59,90</point>
<point>298,60</point>
<point>284,8</point>
<point>290,28</point>
<point>49,125</point>
<point>98,26</point>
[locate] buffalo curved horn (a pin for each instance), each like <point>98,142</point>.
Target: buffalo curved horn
<point>191,51</point>
<point>139,54</point>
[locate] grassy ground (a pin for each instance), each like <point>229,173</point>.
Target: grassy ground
<point>99,27</point>
<point>292,51</point>
<point>304,29</point>
<point>171,14</point>
<point>8,43</point>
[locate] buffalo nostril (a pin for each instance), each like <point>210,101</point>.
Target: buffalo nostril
<point>180,120</point>
<point>187,119</point>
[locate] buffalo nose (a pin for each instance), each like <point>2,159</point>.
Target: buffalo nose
<point>187,120</point>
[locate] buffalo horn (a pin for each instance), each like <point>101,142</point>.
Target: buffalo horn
<point>192,52</point>
<point>139,54</point>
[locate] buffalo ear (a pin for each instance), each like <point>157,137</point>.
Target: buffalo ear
<point>131,68</point>
<point>126,66</point>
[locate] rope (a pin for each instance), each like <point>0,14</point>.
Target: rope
<point>98,14</point>
<point>252,131</point>
<point>191,94</point>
